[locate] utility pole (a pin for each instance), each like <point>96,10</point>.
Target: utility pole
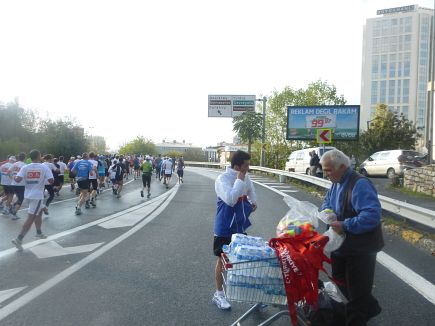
<point>263,132</point>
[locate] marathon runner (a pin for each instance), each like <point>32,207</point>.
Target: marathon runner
<point>61,176</point>
<point>147,169</point>
<point>92,181</point>
<point>6,181</point>
<point>35,176</point>
<point>50,186</point>
<point>17,186</point>
<point>82,169</point>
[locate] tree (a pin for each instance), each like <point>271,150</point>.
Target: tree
<point>194,154</point>
<point>140,145</point>
<point>277,147</point>
<point>248,127</point>
<point>387,131</point>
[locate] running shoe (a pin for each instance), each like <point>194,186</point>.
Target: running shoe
<point>221,302</point>
<point>45,210</point>
<point>40,236</point>
<point>141,193</point>
<point>5,211</point>
<point>87,204</point>
<point>18,243</point>
<point>93,203</point>
<point>78,211</point>
<point>149,195</point>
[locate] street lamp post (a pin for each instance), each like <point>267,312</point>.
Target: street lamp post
<point>263,132</point>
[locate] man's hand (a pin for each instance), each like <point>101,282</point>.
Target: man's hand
<point>337,226</point>
<point>254,207</point>
<point>241,175</point>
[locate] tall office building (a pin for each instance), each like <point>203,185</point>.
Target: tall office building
<point>395,68</point>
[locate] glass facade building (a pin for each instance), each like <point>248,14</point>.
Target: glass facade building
<point>395,68</point>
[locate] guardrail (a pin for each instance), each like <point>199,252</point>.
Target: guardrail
<point>411,212</point>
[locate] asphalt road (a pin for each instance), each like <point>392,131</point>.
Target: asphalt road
<point>152,264</point>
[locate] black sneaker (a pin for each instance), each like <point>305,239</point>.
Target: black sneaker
<point>93,203</point>
<point>87,204</point>
<point>141,193</point>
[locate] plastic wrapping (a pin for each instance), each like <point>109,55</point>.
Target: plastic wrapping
<point>335,240</point>
<point>302,218</point>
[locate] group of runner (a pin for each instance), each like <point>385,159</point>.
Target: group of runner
<point>88,173</point>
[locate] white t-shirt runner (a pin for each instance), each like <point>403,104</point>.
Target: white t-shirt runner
<point>93,173</point>
<point>51,167</point>
<point>62,167</point>
<point>35,176</point>
<point>16,167</point>
<point>6,179</point>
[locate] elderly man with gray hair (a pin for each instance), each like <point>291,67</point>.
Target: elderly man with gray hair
<point>354,200</point>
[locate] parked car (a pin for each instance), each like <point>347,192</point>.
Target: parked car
<point>391,163</point>
<point>299,161</point>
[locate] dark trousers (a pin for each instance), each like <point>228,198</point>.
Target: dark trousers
<point>50,193</point>
<point>356,274</point>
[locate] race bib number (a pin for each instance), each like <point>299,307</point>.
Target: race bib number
<point>33,175</point>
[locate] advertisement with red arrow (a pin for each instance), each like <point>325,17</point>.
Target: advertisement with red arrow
<point>324,136</point>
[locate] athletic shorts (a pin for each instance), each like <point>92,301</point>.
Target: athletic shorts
<point>168,175</point>
<point>218,243</point>
<point>101,174</point>
<point>93,183</point>
<point>136,168</point>
<point>120,181</point>
<point>113,181</point>
<point>146,180</point>
<point>19,191</point>
<point>61,179</point>
<point>35,206</point>
<point>180,173</point>
<point>83,184</point>
<point>9,190</point>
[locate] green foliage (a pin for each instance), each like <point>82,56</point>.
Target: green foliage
<point>388,131</point>
<point>248,127</point>
<point>175,154</point>
<point>195,154</point>
<point>277,147</point>
<point>22,130</point>
<point>140,145</point>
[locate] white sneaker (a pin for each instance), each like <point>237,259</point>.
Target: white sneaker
<point>18,243</point>
<point>221,302</point>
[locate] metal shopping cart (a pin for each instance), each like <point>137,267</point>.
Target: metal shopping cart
<point>258,282</point>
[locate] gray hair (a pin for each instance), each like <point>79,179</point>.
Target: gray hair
<point>336,157</point>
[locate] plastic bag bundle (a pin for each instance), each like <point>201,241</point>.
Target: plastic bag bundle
<point>335,240</point>
<point>301,219</point>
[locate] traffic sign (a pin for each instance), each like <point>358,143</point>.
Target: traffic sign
<point>324,136</point>
<point>229,106</point>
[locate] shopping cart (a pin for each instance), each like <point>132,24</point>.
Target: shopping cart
<point>258,282</point>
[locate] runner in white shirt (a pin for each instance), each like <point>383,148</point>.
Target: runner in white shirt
<point>93,180</point>
<point>168,171</point>
<point>17,186</point>
<point>35,176</point>
<point>61,176</point>
<point>6,181</point>
<point>49,187</point>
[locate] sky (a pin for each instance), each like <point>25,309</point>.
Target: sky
<point>145,68</point>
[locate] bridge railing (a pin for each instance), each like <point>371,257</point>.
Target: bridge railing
<point>411,212</point>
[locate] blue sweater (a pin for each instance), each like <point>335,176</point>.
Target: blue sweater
<point>364,201</point>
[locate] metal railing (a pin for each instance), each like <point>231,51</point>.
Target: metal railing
<point>411,212</point>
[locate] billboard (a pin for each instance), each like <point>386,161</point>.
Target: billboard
<point>229,106</point>
<point>303,121</point>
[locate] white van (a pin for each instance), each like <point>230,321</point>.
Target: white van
<point>299,161</point>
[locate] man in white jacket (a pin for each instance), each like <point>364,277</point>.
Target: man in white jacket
<point>236,201</point>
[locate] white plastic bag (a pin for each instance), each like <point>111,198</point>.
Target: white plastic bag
<point>335,240</point>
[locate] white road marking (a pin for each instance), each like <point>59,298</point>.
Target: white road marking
<point>47,285</point>
<point>6,294</point>
<point>290,190</point>
<point>418,283</point>
<point>53,249</point>
<point>129,219</point>
<point>84,226</point>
